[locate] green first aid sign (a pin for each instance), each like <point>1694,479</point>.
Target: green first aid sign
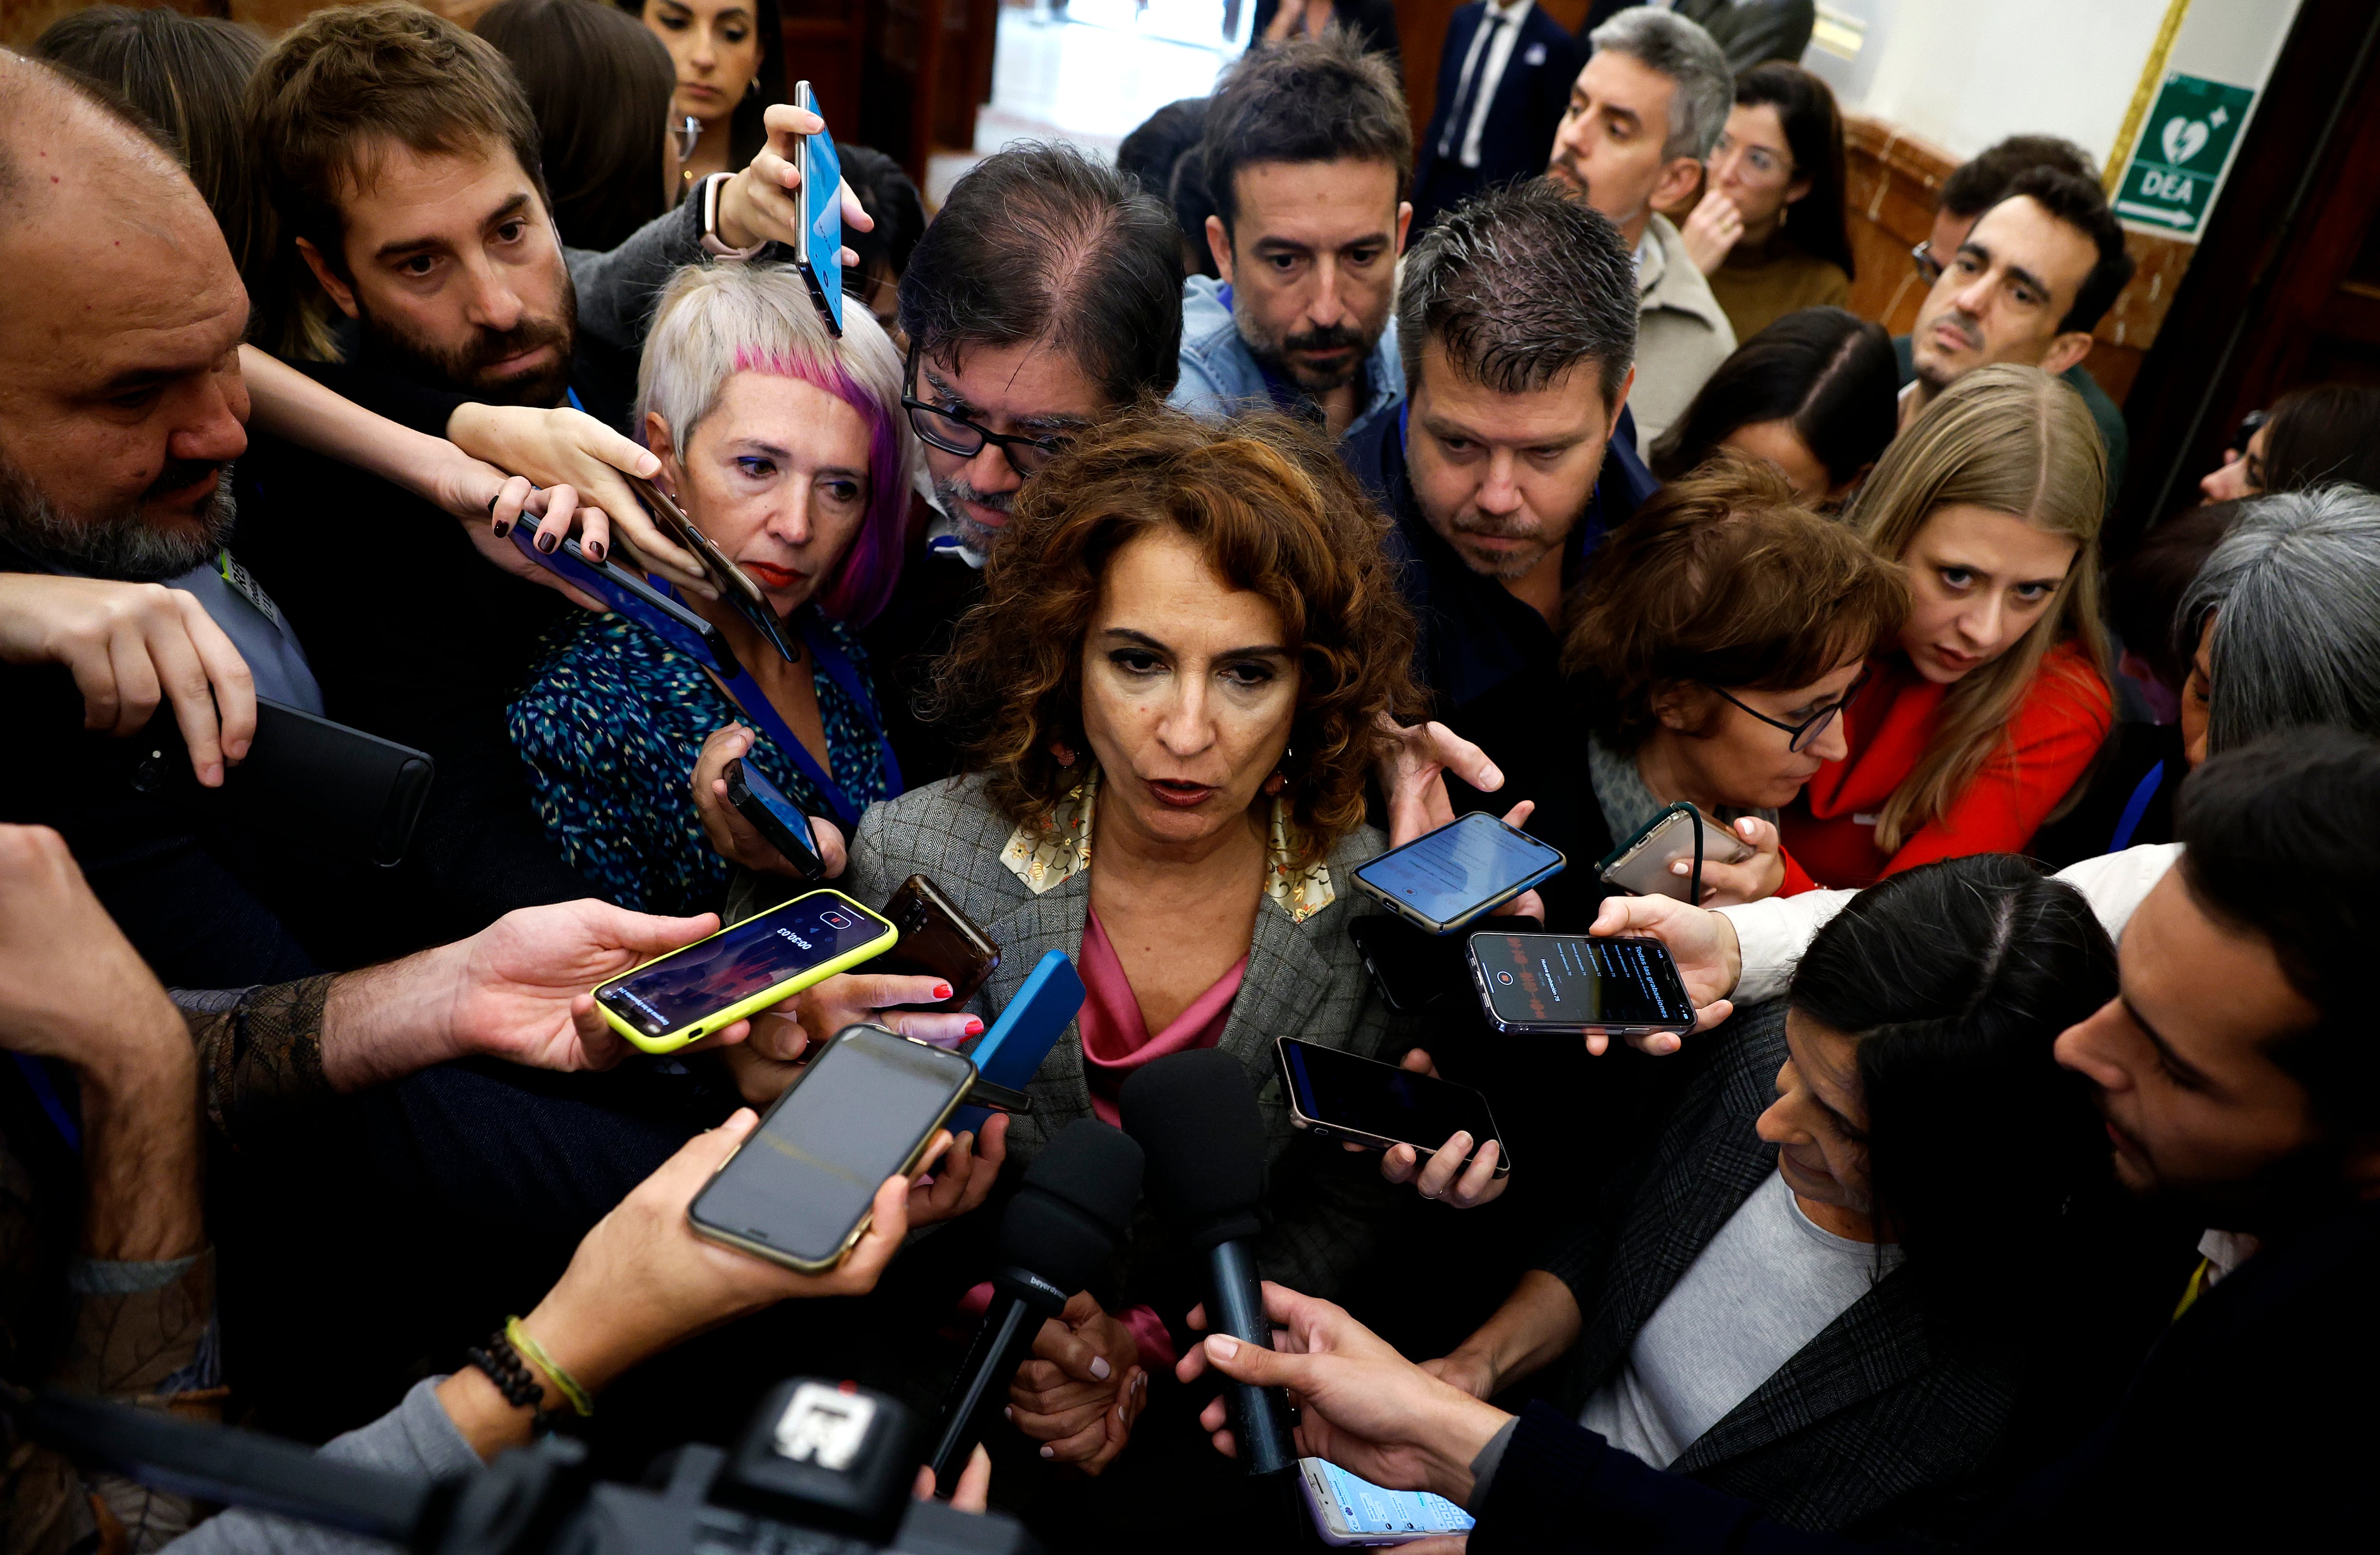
<point>2180,155</point>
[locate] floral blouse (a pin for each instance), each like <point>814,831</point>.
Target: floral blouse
<point>609,727</point>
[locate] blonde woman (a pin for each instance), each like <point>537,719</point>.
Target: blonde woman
<point>1987,707</point>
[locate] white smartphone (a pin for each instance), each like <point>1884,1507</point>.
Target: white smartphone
<point>1350,1510</point>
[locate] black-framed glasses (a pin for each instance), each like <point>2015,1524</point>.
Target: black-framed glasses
<point>953,433</point>
<point>1929,266</point>
<point>1805,733</point>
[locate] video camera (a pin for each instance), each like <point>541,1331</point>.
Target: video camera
<point>824,1468</point>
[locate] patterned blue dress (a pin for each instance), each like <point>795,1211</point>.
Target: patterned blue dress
<point>609,726</point>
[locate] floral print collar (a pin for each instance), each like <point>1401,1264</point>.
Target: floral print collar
<point>1059,849</point>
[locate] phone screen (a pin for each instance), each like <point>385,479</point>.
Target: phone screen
<point>1567,980</point>
<point>812,1167</point>
<point>786,814</point>
<point>1366,1508</point>
<point>822,211</point>
<point>1457,871</point>
<point>1368,1097</point>
<point>735,964</point>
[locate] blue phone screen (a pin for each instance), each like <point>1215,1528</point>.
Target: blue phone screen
<point>733,965</point>
<point>822,202</point>
<point>1366,1508</point>
<point>1456,871</point>
<point>773,799</point>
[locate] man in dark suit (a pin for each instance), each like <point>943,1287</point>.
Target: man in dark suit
<point>1503,79</point>
<point>1750,31</point>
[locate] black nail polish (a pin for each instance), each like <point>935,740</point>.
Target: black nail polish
<point>504,527</point>
<point>597,550</point>
<point>546,542</point>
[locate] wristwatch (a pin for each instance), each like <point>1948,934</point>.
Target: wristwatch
<point>713,244</point>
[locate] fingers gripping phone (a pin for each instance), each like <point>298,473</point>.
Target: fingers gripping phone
<point>1445,878</point>
<point>1351,1510</point>
<point>1010,1053</point>
<point>1642,863</point>
<point>1335,1095</point>
<point>1571,984</point>
<point>802,1190</point>
<point>819,256</point>
<point>776,818</point>
<point>676,999</point>
<point>937,941</point>
<point>735,586</point>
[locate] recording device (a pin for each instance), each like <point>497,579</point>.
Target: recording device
<point>1361,1101</point>
<point>1010,1053</point>
<point>802,1187</point>
<point>937,941</point>
<point>1195,1114</point>
<point>627,592</point>
<point>1683,831</point>
<point>333,789</point>
<point>1571,984</point>
<point>822,1465</point>
<point>819,256</point>
<point>777,819</point>
<point>1445,878</point>
<point>676,999</point>
<point>735,586</point>
<point>1412,969</point>
<point>1349,1510</point>
<point>1077,1203</point>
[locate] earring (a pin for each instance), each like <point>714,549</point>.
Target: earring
<point>754,88</point>
<point>1280,780</point>
<point>1063,752</point>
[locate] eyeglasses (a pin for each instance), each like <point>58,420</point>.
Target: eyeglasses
<point>1805,733</point>
<point>953,433</point>
<point>1929,269</point>
<point>688,133</point>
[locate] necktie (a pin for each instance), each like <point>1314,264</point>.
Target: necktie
<point>1458,123</point>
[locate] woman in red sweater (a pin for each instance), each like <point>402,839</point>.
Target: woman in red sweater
<point>1988,708</point>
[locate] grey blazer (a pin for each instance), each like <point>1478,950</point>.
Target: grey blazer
<point>1304,980</point>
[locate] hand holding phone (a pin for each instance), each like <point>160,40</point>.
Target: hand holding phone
<point>1646,863</point>
<point>1351,1510</point>
<point>1444,879</point>
<point>819,256</point>
<point>1573,985</point>
<point>938,941</point>
<point>1377,1106</point>
<point>678,998</point>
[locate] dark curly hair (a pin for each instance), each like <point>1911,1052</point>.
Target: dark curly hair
<point>1276,514</point>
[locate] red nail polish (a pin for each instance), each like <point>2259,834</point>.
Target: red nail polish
<point>942,991</point>
<point>975,1028</point>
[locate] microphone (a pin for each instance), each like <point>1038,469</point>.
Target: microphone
<point>1195,1114</point>
<point>1075,1203</point>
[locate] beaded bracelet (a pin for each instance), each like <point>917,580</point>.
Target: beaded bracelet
<point>514,1379</point>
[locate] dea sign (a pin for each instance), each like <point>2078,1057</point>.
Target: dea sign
<point>2182,152</point>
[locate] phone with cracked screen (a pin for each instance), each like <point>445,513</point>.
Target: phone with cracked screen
<point>937,941</point>
<point>775,816</point>
<point>1444,879</point>
<point>802,1190</point>
<point>820,255</point>
<point>695,990</point>
<point>1349,1510</point>
<point>1572,984</point>
<point>1335,1095</point>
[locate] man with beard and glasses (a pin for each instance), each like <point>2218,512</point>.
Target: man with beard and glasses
<point>1512,456</point>
<point>401,158</point>
<point>1308,152</point>
<point>1045,295</point>
<point>1645,112</point>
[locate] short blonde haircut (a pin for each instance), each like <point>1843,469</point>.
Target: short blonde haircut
<point>715,320</point>
<point>2016,440</point>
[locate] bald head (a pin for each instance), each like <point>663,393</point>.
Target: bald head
<point>120,399</point>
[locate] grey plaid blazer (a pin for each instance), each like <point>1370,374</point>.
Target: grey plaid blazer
<point>1872,1426</point>
<point>1304,980</point>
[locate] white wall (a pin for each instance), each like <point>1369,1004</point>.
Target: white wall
<point>1964,73</point>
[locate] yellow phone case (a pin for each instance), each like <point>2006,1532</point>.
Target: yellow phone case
<point>777,994</point>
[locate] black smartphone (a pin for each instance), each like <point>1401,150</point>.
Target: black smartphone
<point>736,586</point>
<point>346,793</point>
<point>1333,1095</point>
<point>626,590</point>
<point>937,941</point>
<point>802,1190</point>
<point>1413,970</point>
<point>776,818</point>
<point>1572,984</point>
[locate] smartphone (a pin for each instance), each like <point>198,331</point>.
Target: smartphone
<point>1569,983</point>
<point>820,258</point>
<point>1334,1095</point>
<point>1010,1053</point>
<point>1349,1510</point>
<point>1641,862</point>
<point>937,941</point>
<point>776,818</point>
<point>736,586</point>
<point>675,998</point>
<point>625,591</point>
<point>337,790</point>
<point>801,1189</point>
<point>1455,874</point>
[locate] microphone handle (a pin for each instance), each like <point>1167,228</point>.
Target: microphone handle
<point>1259,1417</point>
<point>1002,1342</point>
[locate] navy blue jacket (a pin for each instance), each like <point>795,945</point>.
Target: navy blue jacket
<point>1521,118</point>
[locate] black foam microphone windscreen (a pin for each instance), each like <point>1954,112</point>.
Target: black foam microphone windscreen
<point>1195,1114</point>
